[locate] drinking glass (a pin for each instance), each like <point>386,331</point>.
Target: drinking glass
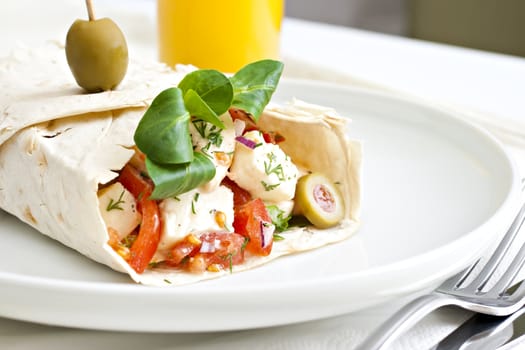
<point>218,34</point>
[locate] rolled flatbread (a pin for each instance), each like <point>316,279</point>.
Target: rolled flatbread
<point>59,146</point>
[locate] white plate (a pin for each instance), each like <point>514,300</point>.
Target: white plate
<point>436,191</point>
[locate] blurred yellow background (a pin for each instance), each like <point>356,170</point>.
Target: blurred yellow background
<point>224,35</point>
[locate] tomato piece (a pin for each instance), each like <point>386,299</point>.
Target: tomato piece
<point>212,251</point>
<point>240,195</point>
<point>135,183</point>
<point>146,244</point>
<point>238,114</point>
<point>253,221</point>
<point>273,137</point>
<point>219,250</point>
<point>185,247</point>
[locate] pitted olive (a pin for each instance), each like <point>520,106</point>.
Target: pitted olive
<point>319,200</point>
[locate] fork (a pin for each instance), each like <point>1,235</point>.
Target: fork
<point>466,289</point>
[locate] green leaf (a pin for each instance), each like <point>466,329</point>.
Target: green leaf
<point>200,109</point>
<point>278,218</point>
<point>254,85</point>
<point>163,133</point>
<point>213,87</point>
<point>173,179</point>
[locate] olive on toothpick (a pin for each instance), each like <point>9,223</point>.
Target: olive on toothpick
<point>96,52</point>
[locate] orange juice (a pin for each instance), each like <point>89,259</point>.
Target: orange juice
<point>218,34</point>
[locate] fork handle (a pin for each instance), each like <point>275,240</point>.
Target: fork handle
<point>403,320</point>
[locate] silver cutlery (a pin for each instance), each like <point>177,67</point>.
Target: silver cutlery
<point>485,332</point>
<point>467,289</point>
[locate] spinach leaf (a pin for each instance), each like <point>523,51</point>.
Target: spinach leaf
<point>254,84</point>
<point>174,179</point>
<point>214,89</point>
<point>163,133</point>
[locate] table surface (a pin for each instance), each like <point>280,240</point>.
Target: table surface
<point>481,82</point>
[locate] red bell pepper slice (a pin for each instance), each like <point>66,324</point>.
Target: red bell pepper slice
<point>145,246</point>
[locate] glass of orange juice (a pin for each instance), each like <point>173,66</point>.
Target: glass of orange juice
<point>218,34</point>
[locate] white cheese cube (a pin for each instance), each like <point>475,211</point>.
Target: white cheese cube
<point>195,212</point>
<point>215,143</point>
<point>118,208</point>
<point>265,171</point>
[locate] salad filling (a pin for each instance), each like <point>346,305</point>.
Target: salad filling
<point>206,185</point>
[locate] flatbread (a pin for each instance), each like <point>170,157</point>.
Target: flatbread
<point>59,144</point>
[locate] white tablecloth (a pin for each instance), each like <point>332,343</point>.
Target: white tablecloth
<point>485,88</point>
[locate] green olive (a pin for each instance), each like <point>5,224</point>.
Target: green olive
<point>97,54</point>
<point>319,200</point>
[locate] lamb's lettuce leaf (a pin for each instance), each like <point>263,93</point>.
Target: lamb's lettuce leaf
<point>163,132</point>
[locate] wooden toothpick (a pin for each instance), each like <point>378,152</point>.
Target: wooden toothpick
<point>91,14</point>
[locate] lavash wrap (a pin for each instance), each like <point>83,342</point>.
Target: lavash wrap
<point>58,145</point>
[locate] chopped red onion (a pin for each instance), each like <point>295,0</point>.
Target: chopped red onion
<point>210,247</point>
<point>207,247</point>
<point>267,230</point>
<point>239,126</point>
<point>247,142</point>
